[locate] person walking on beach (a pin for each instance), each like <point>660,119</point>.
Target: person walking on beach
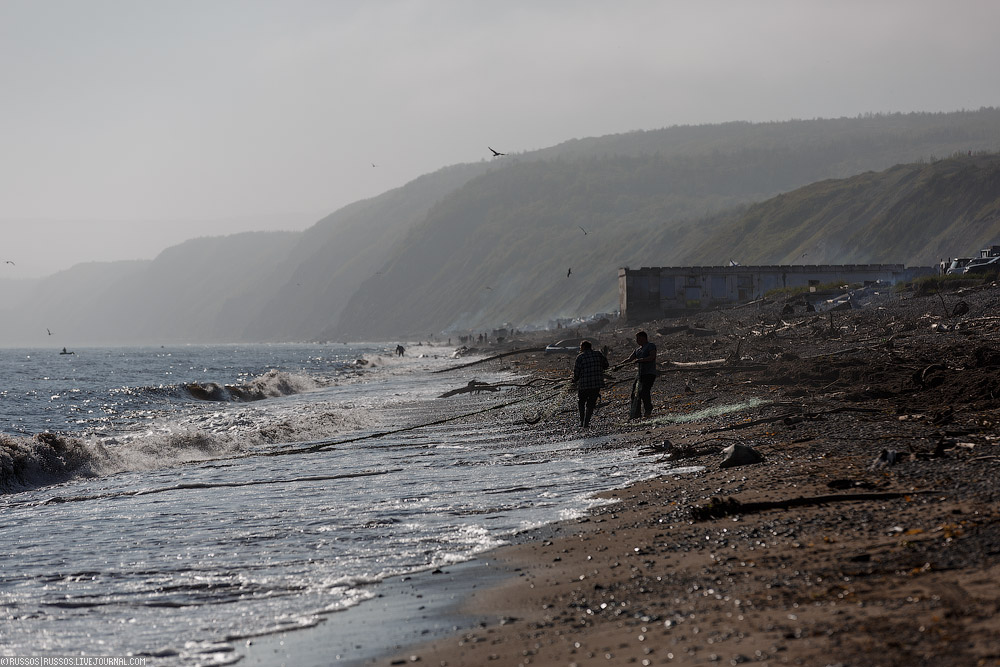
<point>588,376</point>
<point>645,358</point>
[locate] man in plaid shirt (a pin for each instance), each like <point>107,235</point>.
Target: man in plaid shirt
<point>588,376</point>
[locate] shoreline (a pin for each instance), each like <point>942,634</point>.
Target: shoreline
<point>868,535</point>
<point>406,610</point>
<point>877,581</point>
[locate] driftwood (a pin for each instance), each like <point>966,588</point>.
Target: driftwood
<point>790,418</point>
<point>755,422</point>
<point>709,368</point>
<point>980,320</point>
<point>473,386</point>
<point>725,364</point>
<point>684,328</point>
<point>476,386</point>
<point>696,364</point>
<point>794,325</point>
<point>680,452</point>
<point>835,353</point>
<point>720,507</point>
<point>495,356</point>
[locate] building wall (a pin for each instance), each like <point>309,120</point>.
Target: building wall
<point>652,292</point>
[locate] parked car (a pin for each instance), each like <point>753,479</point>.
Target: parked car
<point>566,346</point>
<point>983,265</point>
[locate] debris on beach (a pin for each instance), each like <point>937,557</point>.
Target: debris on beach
<point>886,458</point>
<point>473,387</point>
<point>740,455</point>
<point>877,499</point>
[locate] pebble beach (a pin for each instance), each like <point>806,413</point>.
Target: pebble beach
<point>869,534</point>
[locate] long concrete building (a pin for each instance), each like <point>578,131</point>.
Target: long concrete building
<point>653,292</point>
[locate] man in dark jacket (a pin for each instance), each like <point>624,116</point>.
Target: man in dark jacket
<point>644,357</point>
<point>588,376</point>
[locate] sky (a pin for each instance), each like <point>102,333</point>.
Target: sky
<point>127,126</point>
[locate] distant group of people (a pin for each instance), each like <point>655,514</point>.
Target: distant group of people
<point>588,376</point>
<point>484,338</point>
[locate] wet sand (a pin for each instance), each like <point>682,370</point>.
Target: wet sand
<point>869,534</point>
<point>407,610</point>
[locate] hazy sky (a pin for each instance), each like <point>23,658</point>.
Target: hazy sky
<point>130,125</point>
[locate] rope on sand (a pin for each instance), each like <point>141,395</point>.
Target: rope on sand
<point>494,357</point>
<point>551,404</point>
<point>562,390</point>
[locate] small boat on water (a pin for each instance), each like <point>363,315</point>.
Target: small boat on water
<point>66,352</point>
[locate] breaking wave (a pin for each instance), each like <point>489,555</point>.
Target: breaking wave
<point>46,458</point>
<point>50,458</point>
<point>269,385</point>
<point>145,427</point>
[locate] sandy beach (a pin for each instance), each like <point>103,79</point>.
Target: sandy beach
<point>869,534</point>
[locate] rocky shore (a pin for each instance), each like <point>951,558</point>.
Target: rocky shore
<point>868,535</point>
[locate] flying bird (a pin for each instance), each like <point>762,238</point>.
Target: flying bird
<point>569,271</point>
<point>11,263</point>
<point>496,153</point>
<point>583,230</point>
<point>50,333</point>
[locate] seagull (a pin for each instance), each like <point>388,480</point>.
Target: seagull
<point>496,153</point>
<point>50,333</point>
<point>583,230</point>
<point>568,271</point>
<point>10,262</point>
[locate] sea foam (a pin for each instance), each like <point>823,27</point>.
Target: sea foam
<point>269,385</point>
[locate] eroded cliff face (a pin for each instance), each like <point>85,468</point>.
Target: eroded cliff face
<point>536,236</point>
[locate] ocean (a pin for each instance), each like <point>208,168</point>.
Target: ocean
<point>171,502</point>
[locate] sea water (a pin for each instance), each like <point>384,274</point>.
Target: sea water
<point>171,502</point>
